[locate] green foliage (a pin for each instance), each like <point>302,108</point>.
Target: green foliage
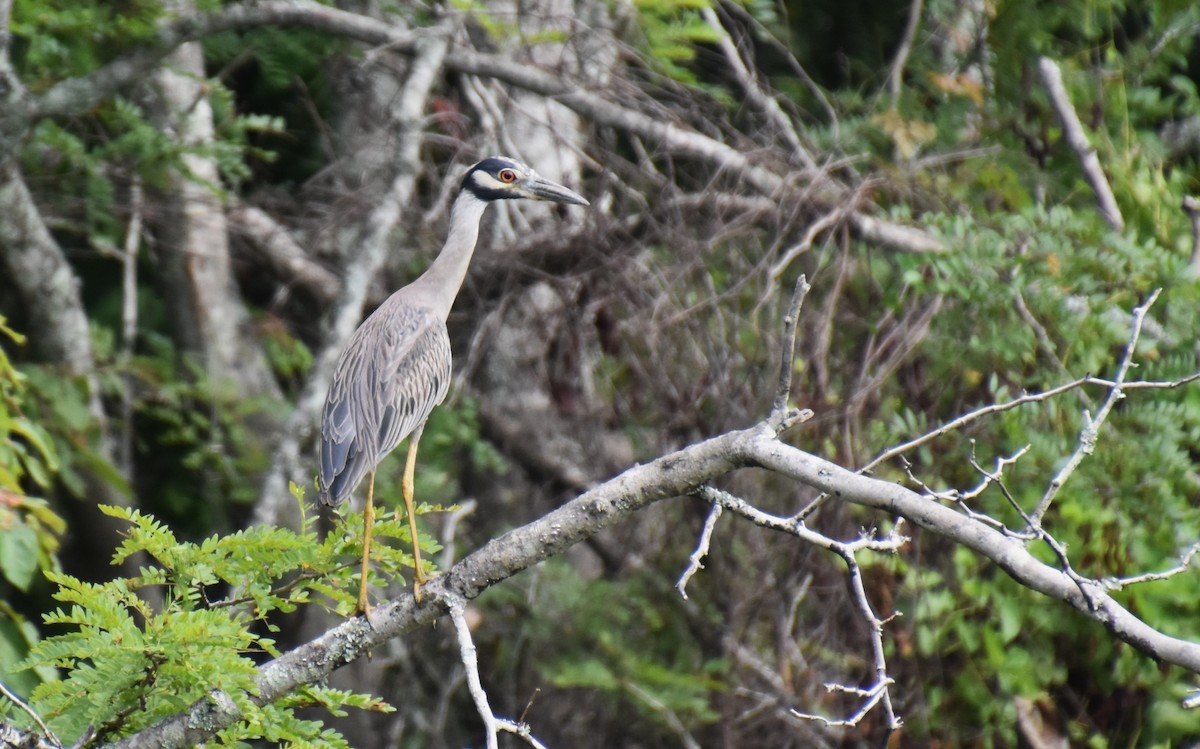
<point>18,636</point>
<point>60,40</point>
<point>671,31</point>
<point>618,640</point>
<point>287,355</point>
<point>203,425</point>
<point>456,428</point>
<point>127,664</point>
<point>123,674</point>
<point>88,156</point>
<point>29,528</point>
<point>60,406</point>
<point>26,451</point>
<point>286,74</point>
<point>1127,509</point>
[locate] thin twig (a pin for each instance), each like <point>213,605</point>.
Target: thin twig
<point>805,244</point>
<point>788,353</point>
<point>871,697</point>
<point>878,694</point>
<point>1040,332</point>
<point>1035,531</point>
<point>325,135</point>
<point>997,473</point>
<point>881,692</point>
<point>457,606</point>
<point>897,345</point>
<point>1185,562</point>
<point>762,99</point>
<point>896,74</point>
<point>450,529</point>
<point>741,507</point>
<point>12,697</point>
<point>787,52</point>
<point>969,418</point>
<point>961,498</point>
<point>303,577</point>
<point>1191,206</point>
<point>521,730</point>
<point>1091,429</point>
<point>466,649</point>
<point>1146,384</point>
<point>997,478</point>
<point>1078,140</point>
<point>129,323</point>
<point>823,337</point>
<point>668,715</point>
<point>696,560</point>
<point>1090,589</point>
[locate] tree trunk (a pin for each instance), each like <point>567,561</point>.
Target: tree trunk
<point>209,315</point>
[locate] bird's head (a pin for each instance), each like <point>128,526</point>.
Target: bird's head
<point>501,178</point>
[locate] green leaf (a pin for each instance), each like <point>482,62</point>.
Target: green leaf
<point>18,555</point>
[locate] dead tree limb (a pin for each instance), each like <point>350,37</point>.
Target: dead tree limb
<point>1078,140</point>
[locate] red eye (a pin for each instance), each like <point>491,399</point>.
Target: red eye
<point>508,175</point>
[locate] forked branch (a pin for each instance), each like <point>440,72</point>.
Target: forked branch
<point>687,471</point>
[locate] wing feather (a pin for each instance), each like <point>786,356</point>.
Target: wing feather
<point>394,371</point>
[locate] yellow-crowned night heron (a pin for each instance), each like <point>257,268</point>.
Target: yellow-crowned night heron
<point>397,365</point>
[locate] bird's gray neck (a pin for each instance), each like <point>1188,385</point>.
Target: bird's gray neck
<point>437,287</point>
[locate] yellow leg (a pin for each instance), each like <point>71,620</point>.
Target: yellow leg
<point>406,488</point>
<point>368,524</point>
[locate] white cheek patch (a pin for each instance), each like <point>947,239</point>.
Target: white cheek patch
<point>486,181</point>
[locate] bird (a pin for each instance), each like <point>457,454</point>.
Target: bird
<point>397,365</point>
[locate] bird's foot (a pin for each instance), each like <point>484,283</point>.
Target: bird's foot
<point>419,583</point>
<point>367,612</point>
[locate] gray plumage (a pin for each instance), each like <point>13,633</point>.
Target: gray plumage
<point>401,356</point>
<point>397,366</point>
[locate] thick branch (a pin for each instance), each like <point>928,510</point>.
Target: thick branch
<point>1009,554</point>
<point>677,474</point>
<point>80,94</point>
<point>76,96</point>
<point>754,92</point>
<point>673,475</point>
<point>1078,140</point>
<point>39,272</point>
<point>278,250</point>
<point>12,737</point>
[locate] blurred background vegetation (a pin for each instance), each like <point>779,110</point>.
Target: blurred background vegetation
<point>654,324</point>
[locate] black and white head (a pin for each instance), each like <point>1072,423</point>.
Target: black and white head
<point>502,178</point>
